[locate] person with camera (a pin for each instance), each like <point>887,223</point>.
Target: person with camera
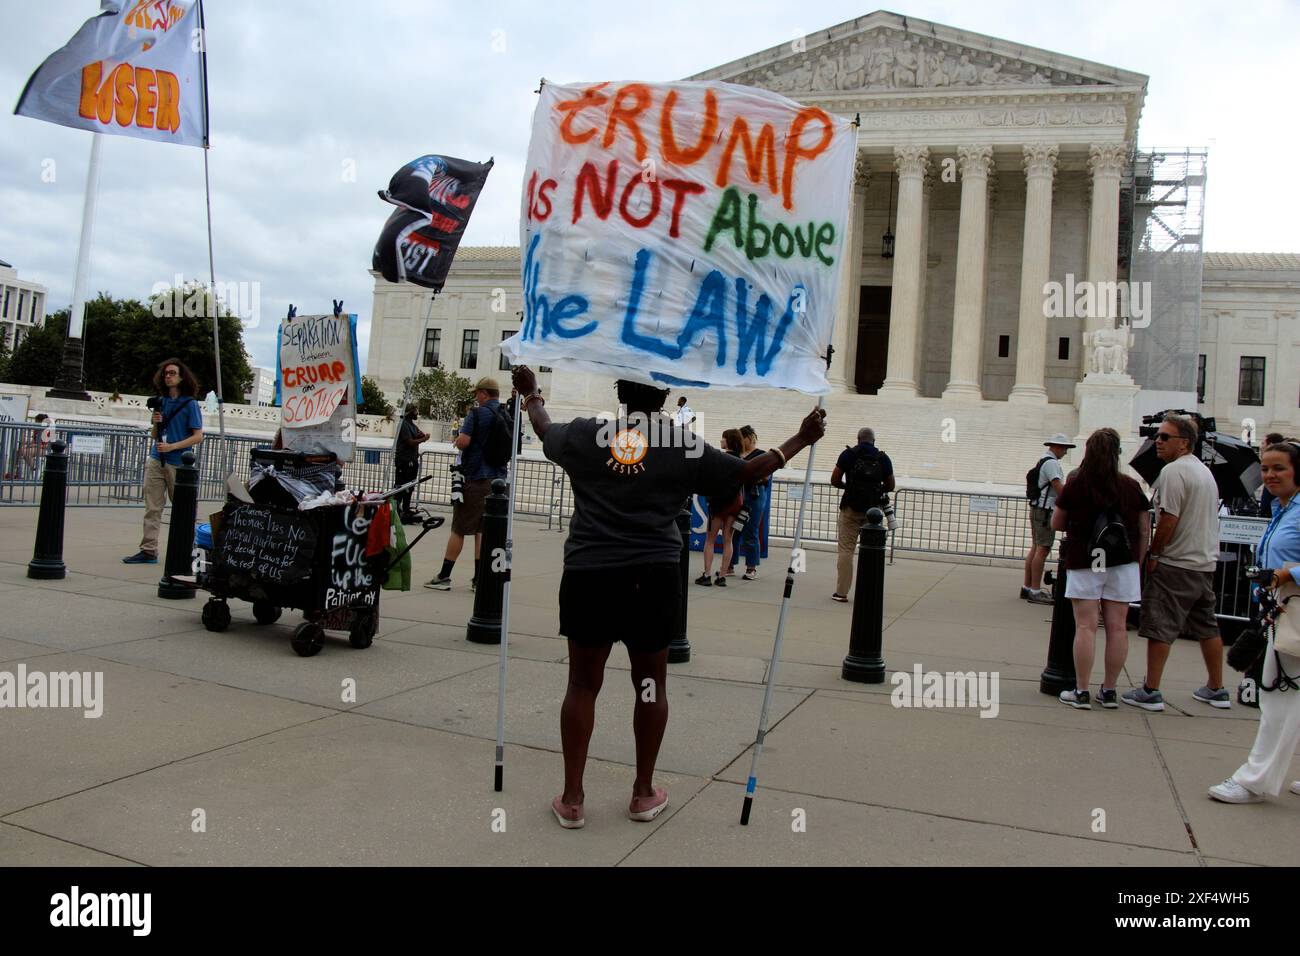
<point>866,475</point>
<point>177,425</point>
<point>1104,516</point>
<point>406,461</point>
<point>622,563</point>
<point>1043,483</point>
<point>484,441</point>
<point>1278,735</point>
<point>1178,595</point>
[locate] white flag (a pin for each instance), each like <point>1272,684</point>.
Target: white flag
<point>134,70</point>
<point>683,234</point>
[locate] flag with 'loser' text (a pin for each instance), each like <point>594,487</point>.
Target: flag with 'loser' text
<point>134,70</point>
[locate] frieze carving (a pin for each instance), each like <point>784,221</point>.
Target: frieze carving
<point>894,60</point>
<point>861,171</point>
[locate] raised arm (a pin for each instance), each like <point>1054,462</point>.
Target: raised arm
<point>525,383</point>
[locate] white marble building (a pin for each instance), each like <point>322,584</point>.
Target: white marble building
<point>997,168</point>
<point>22,306</point>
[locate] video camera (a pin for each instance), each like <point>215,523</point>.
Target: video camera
<point>154,403</point>
<point>1151,423</point>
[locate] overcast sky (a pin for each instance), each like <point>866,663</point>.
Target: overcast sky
<point>299,91</point>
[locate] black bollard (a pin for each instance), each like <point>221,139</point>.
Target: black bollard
<point>864,664</point>
<point>180,535</point>
<point>47,557</point>
<point>1059,673</point>
<point>485,625</point>
<point>679,648</point>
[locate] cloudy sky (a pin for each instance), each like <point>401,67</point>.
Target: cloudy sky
<point>301,94</point>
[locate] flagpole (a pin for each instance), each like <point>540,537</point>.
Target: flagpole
<point>70,383</point>
<point>515,432</point>
<point>415,363</point>
<point>212,270</point>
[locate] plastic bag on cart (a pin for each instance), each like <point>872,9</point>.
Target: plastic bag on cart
<point>307,484</point>
<point>399,575</point>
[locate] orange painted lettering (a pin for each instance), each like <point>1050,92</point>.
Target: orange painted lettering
<point>169,95</point>
<point>90,74</point>
<point>627,114</point>
<point>681,189</point>
<point>145,91</point>
<point>589,97</point>
<point>124,95</point>
<point>678,154</point>
<point>589,181</point>
<point>757,155</point>
<point>793,149</point>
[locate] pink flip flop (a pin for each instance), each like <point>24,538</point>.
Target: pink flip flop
<point>645,816</point>
<point>570,817</point>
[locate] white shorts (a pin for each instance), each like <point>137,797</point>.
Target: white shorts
<point>1114,584</point>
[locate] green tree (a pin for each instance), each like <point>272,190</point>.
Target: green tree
<point>4,361</point>
<point>441,394</point>
<point>126,339</point>
<point>373,401</point>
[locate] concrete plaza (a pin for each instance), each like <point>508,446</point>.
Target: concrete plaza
<point>235,731</point>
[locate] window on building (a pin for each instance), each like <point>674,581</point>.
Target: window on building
<point>1200,379</point>
<point>432,344</point>
<point>4,314</point>
<point>1250,381</point>
<point>543,368</point>
<point>505,361</point>
<point>1063,348</point>
<point>22,300</point>
<point>469,349</point>
<point>1004,346</point>
<point>36,299</point>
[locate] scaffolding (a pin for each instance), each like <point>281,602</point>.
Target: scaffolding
<point>1162,218</point>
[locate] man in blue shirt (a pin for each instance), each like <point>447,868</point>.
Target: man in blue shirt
<point>177,425</point>
<point>863,489</point>
<point>467,515</point>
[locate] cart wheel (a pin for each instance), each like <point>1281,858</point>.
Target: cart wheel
<point>308,639</point>
<point>362,634</point>
<point>265,612</point>
<point>216,615</point>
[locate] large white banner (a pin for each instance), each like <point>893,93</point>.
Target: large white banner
<point>683,234</point>
<point>134,70</point>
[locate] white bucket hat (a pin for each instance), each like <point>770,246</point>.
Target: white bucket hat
<point>1060,439</point>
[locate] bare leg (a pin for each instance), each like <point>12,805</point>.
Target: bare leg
<point>1038,558</point>
<point>454,543</point>
<point>1085,640</point>
<point>1157,655</point>
<point>727,545</point>
<point>1212,651</point>
<point>649,716</point>
<point>715,524</point>
<point>1115,615</point>
<point>578,714</point>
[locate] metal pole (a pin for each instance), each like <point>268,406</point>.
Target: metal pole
<point>865,663</point>
<point>505,605</point>
<point>752,783</point>
<point>47,557</point>
<point>71,376</point>
<point>180,534</point>
<point>415,363</point>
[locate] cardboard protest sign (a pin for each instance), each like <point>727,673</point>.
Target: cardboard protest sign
<point>317,381</point>
<point>683,234</point>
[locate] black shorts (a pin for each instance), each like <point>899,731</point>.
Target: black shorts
<point>640,605</point>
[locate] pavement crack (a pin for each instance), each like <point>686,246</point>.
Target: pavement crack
<point>84,846</point>
<point>1173,791</point>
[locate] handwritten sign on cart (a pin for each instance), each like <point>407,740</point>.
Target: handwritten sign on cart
<point>269,546</point>
<point>318,382</point>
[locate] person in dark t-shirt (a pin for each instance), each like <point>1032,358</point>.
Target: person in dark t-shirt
<point>622,573</point>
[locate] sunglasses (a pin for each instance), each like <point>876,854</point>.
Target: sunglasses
<point>1165,436</point>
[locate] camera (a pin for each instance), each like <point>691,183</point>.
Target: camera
<point>1258,575</point>
<point>154,403</point>
<point>457,485</point>
<point>887,507</point>
<point>1151,423</point>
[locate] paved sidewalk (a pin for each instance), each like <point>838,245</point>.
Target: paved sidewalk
<point>236,731</point>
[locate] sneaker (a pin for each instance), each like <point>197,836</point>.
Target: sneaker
<point>645,809</point>
<point>141,557</point>
<point>1295,786</point>
<point>439,584</point>
<point>1078,699</point>
<point>1025,592</point>
<point>1041,596</point>
<point>1108,698</point>
<point>751,574</point>
<point>840,597</point>
<point>1144,698</point>
<point>704,581</point>
<point>1232,792</point>
<point>1215,698</point>
<point>719,581</point>
<point>569,817</point>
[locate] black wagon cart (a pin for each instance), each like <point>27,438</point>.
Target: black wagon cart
<point>328,561</point>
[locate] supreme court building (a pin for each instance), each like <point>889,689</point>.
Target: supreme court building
<point>987,173</point>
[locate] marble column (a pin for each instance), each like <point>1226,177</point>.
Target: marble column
<point>845,339</point>
<point>1035,267</point>
<point>909,268</point>
<point>1286,373</point>
<point>1106,164</point>
<point>975,163</point>
<point>927,188</point>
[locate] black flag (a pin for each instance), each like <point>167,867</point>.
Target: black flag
<point>435,196</point>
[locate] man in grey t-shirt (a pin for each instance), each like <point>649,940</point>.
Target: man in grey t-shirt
<point>622,572</point>
<point>1050,480</point>
<point>1178,596</point>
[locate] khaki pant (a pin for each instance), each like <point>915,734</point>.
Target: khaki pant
<point>159,486</point>
<point>850,526</point>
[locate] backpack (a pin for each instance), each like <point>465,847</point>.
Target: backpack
<point>865,481</point>
<point>1033,490</point>
<point>498,444</point>
<point>1110,537</point>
